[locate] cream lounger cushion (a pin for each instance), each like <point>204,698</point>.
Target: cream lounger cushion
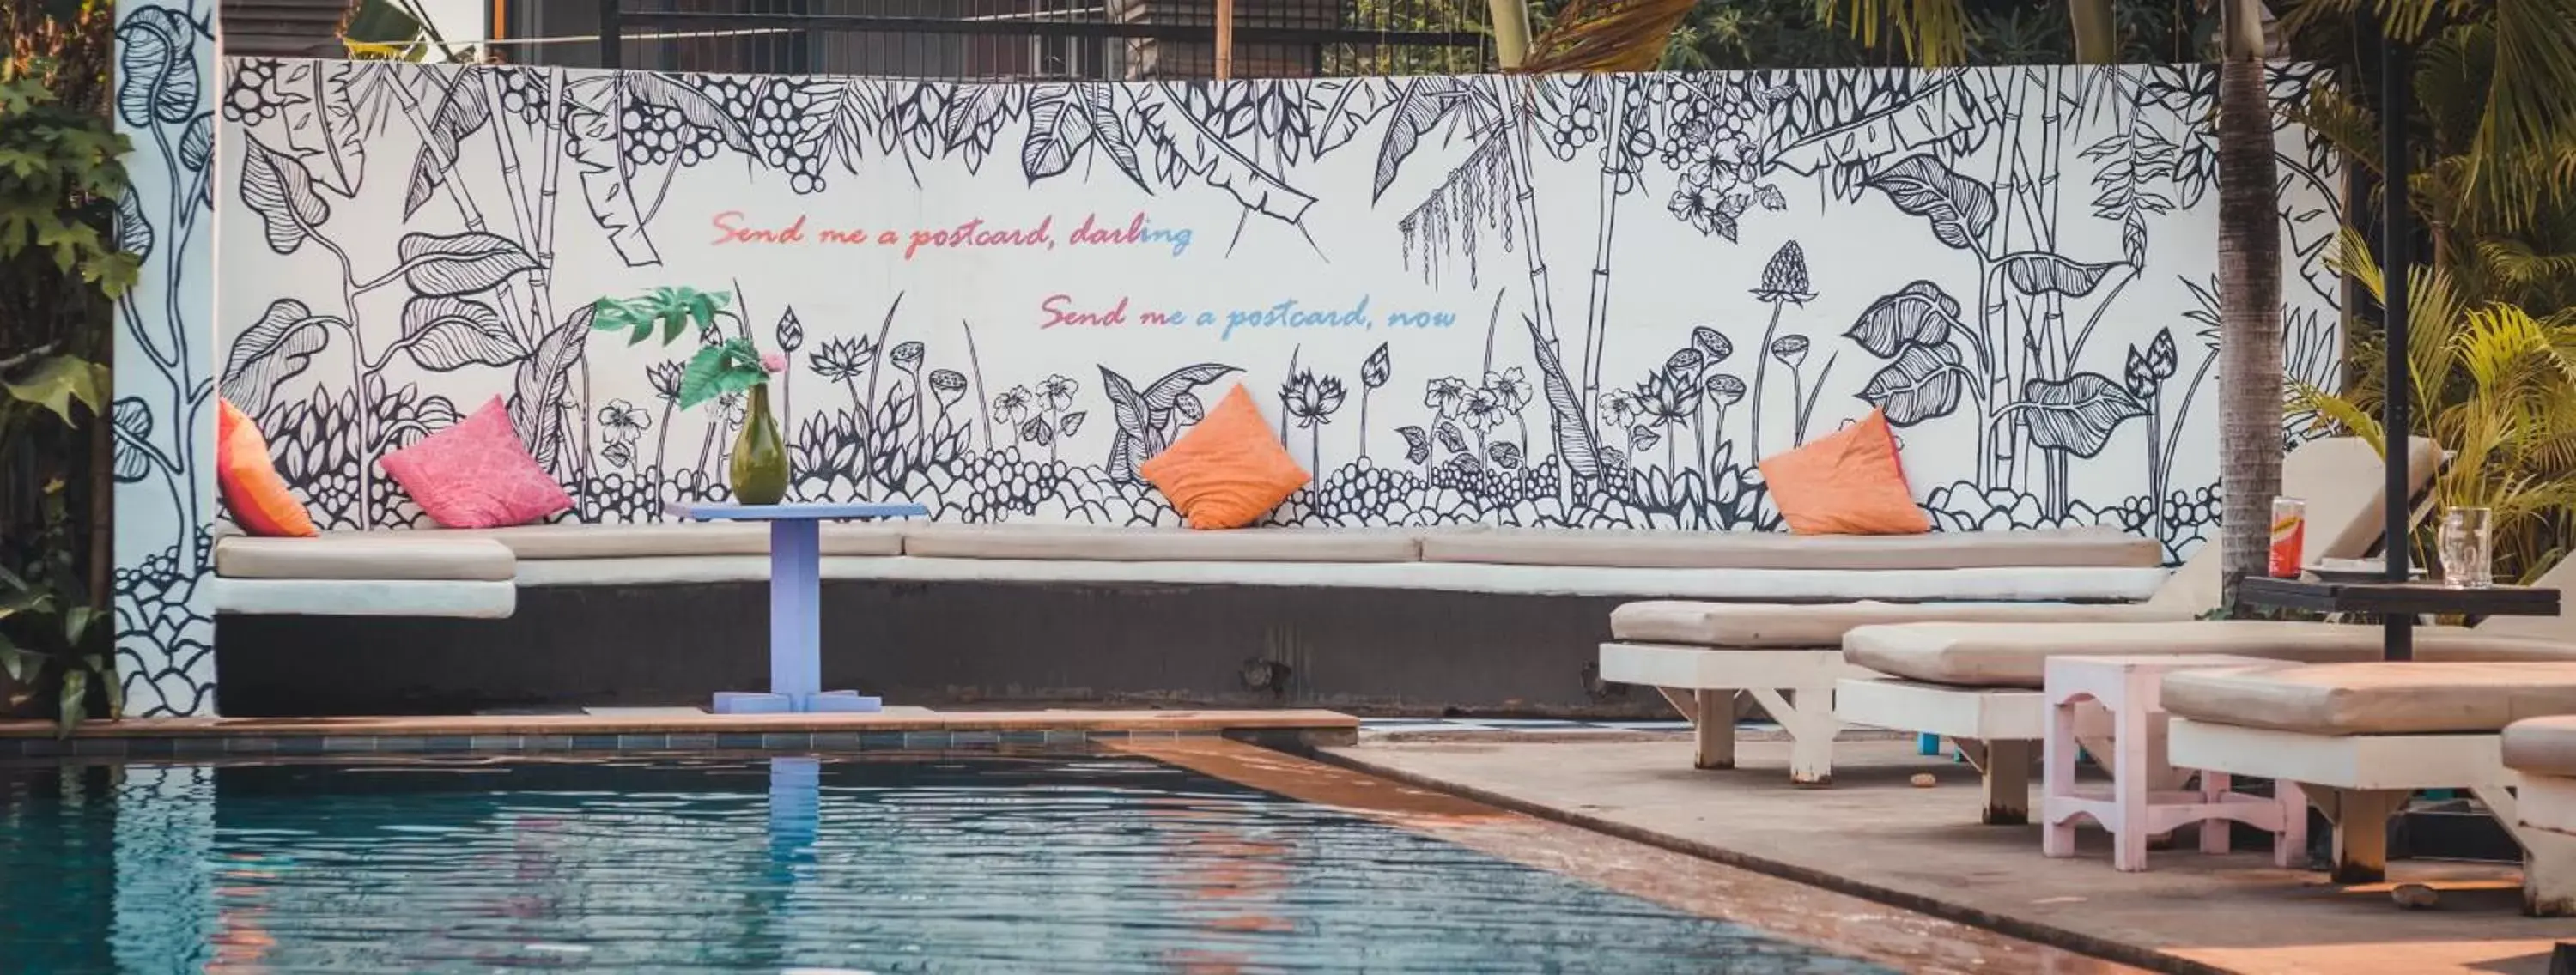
<point>1823,624</point>
<point>2542,746</point>
<point>1059,543</point>
<point>1657,549</point>
<point>668,539</point>
<point>1985,655</point>
<point>2377,698</point>
<point>373,556</point>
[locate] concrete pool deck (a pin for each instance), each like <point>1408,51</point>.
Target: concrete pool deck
<point>1874,835</point>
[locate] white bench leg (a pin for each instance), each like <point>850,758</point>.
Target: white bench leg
<point>2360,818</point>
<point>2004,767</point>
<point>2548,873</point>
<point>1713,720</point>
<point>2290,842</point>
<point>1807,713</point>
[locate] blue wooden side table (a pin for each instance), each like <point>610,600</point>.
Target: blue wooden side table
<point>796,603</point>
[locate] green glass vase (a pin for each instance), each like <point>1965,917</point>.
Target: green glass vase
<point>759,455</point>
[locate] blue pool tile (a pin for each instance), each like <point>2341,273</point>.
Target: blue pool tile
<point>643,742</point>
<point>925,739</point>
<point>548,743</point>
<point>737,740</point>
<point>198,746</point>
<point>1153,736</point>
<point>880,741</point>
<point>447,743</point>
<point>690,742</point>
<point>1062,736</point>
<point>39,747</point>
<point>836,741</point>
<point>349,744</point>
<point>1105,735</point>
<point>495,743</point>
<point>152,747</point>
<point>973,739</point>
<point>594,742</point>
<point>250,744</point>
<point>301,745</point>
<point>787,740</point>
<point>98,746</point>
<point>406,744</point>
<point>1024,736</point>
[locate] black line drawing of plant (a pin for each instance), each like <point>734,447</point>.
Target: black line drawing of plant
<point>1149,420</point>
<point>1784,282</point>
<point>791,336</point>
<point>1313,400</point>
<point>1374,372</point>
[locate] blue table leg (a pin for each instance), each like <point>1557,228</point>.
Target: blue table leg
<point>795,630</point>
<point>795,809</point>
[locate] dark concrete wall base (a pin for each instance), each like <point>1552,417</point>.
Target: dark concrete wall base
<point>952,643</point>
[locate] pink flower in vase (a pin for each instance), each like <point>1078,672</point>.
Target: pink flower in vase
<point>773,363</point>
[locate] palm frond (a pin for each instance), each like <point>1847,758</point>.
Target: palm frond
<point>1935,32</point>
<point>1606,36</point>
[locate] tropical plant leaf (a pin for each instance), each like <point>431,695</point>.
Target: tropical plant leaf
<point>1574,442</point>
<point>446,334</point>
<point>1452,439</point>
<point>1959,208</point>
<point>459,265</point>
<point>55,382</point>
<point>1918,314</point>
<point>463,112</point>
<point>133,422</point>
<point>1070,423</point>
<point>1606,37</point>
<point>1126,407</point>
<point>277,188</point>
<point>1339,109</point>
<point>607,185</point>
<point>1425,102</point>
<point>543,380</point>
<point>1417,444</point>
<point>730,366</point>
<point>1375,371</point>
<point>2034,273</point>
<point>2076,414</point>
<point>1924,382</point>
<point>276,348</point>
<point>1037,431</point>
<point>1059,130</point>
<point>156,60</point>
<point>1165,393</point>
<point>323,125</point>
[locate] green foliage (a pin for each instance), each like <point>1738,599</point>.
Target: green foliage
<point>62,264</point>
<point>721,366</point>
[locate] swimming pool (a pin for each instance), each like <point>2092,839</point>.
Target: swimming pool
<point>1100,862</point>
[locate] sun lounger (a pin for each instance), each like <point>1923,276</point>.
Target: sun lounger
<point>1788,657</point>
<point>1979,684</point>
<point>2543,752</point>
<point>2361,737</point>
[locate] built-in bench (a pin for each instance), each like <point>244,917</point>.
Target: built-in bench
<point>456,573</point>
<point>1422,618</point>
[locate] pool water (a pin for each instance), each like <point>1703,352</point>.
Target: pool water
<point>1090,863</point>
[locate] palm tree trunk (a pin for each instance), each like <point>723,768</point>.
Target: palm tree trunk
<point>2249,300</point>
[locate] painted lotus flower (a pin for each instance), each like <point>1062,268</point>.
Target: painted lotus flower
<point>1312,399</point>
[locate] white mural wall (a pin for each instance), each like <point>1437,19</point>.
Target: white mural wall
<point>166,356</point>
<point>1563,301</point>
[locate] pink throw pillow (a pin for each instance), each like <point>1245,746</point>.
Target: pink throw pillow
<point>477,474</point>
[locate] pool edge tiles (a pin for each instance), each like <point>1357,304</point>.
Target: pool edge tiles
<point>909,730</point>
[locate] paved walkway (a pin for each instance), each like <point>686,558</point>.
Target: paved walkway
<point>1873,833</point>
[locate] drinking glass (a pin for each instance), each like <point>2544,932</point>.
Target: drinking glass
<point>2468,548</point>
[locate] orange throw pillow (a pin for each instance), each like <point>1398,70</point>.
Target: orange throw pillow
<point>258,497</point>
<point>1229,470</point>
<point>1845,484</point>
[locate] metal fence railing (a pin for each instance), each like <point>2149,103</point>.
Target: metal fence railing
<point>1006,39</point>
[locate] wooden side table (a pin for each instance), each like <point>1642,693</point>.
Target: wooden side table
<point>2134,806</point>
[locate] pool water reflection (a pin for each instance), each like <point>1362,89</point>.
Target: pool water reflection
<point>1083,863</point>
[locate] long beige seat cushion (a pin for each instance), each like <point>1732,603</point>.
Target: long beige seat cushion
<point>1095,543</point>
<point>1664,549</point>
<point>1986,655</point>
<point>2542,746</point>
<point>2376,698</point>
<point>667,539</point>
<point>375,556</point>
<point>1777,625</point>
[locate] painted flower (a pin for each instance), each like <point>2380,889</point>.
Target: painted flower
<point>621,421</point>
<point>1723,390</point>
<point>731,408</point>
<point>1013,405</point>
<point>1712,343</point>
<point>842,359</point>
<point>1484,409</point>
<point>1791,350</point>
<point>1619,407</point>
<point>1785,277</point>
<point>1664,398</point>
<point>1444,394</point>
<point>1058,391</point>
<point>773,363</point>
<point>665,378</point>
<point>1511,386</point>
<point>907,355</point>
<point>948,385</point>
<point>1311,399</point>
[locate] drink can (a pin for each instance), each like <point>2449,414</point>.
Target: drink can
<point>2289,536</point>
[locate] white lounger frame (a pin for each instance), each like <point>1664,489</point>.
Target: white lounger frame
<point>1998,730</point>
<point>2358,781</point>
<point>1795,686</point>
